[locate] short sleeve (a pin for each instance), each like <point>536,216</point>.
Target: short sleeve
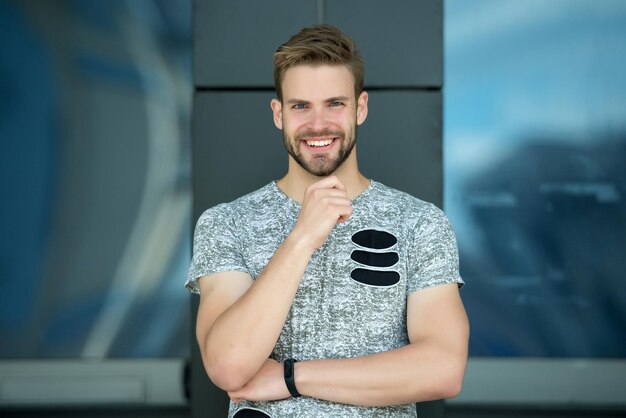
<point>434,254</point>
<point>215,246</point>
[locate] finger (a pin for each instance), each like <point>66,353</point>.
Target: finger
<point>319,194</point>
<point>344,215</point>
<point>339,201</point>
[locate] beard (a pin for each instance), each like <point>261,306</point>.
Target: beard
<point>322,165</point>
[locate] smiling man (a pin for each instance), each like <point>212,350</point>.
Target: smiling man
<point>325,293</point>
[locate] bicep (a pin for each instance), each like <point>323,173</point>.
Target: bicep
<point>218,292</point>
<point>437,314</point>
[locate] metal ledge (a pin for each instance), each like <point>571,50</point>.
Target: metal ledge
<point>545,382</point>
<point>92,382</point>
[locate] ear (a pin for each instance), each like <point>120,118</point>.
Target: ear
<point>277,112</point>
<point>361,108</point>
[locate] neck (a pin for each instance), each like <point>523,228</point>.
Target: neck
<point>297,179</point>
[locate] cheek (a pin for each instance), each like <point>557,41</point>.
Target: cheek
<point>293,124</point>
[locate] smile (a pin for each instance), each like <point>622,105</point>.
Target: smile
<point>319,143</point>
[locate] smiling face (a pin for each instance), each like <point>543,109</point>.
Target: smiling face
<point>319,115</point>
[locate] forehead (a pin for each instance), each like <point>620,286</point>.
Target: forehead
<point>310,82</point>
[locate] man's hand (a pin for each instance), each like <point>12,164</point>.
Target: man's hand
<point>325,204</point>
<point>268,384</point>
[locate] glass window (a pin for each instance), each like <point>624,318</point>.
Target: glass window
<point>95,179</point>
<point>535,145</point>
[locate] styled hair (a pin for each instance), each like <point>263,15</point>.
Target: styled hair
<point>317,45</point>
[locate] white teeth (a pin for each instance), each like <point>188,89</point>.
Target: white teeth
<point>319,143</point>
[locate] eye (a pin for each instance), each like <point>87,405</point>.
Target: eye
<point>299,106</point>
<point>336,103</point>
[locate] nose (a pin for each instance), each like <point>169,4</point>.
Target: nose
<point>318,120</point>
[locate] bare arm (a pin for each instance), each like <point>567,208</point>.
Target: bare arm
<point>240,320</point>
<point>430,367</point>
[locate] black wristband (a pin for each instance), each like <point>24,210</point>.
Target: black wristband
<point>289,377</point>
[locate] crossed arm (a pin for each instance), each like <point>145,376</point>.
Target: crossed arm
<point>430,367</point>
<point>236,340</point>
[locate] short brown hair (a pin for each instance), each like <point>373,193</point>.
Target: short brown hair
<point>320,44</point>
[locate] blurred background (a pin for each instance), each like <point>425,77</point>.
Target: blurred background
<point>535,173</point>
<point>95,184</point>
<point>95,178</point>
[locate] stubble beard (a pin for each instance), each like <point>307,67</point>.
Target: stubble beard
<point>323,165</point>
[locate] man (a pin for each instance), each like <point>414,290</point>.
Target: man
<point>326,294</point>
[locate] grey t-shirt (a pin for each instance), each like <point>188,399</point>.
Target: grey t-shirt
<point>352,298</point>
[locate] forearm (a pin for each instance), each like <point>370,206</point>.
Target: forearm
<point>244,335</point>
<point>416,372</point>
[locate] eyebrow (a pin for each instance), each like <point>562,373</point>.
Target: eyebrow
<point>329,100</point>
<point>337,98</point>
<point>294,101</point>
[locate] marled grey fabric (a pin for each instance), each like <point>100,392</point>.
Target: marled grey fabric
<point>333,315</point>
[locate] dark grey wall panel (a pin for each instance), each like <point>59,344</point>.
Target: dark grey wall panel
<point>401,42</point>
<point>400,142</point>
<point>234,40</point>
<point>237,148</point>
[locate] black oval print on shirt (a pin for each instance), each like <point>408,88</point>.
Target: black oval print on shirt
<point>371,239</point>
<point>377,240</point>
<point>374,259</point>
<point>250,413</point>
<point>375,277</point>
